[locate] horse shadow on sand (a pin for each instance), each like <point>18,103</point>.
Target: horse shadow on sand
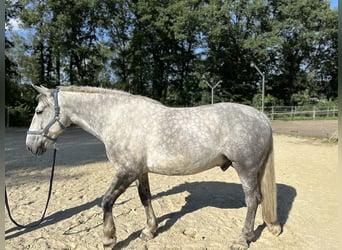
<point>201,194</point>
<point>215,194</point>
<point>55,218</point>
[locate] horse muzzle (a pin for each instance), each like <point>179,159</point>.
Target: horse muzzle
<point>36,150</point>
<point>35,145</point>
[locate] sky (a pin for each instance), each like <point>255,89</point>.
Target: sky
<point>333,3</point>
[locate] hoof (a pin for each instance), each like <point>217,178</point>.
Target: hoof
<point>239,246</point>
<point>146,235</point>
<point>109,243</point>
<point>275,229</point>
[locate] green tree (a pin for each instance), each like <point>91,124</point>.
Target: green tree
<point>65,45</point>
<point>305,33</point>
<point>163,41</point>
<point>11,67</point>
<point>163,49</point>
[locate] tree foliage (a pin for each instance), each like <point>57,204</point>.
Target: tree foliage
<point>168,49</point>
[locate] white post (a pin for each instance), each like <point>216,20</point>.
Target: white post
<point>7,123</point>
<point>212,89</point>
<point>263,93</point>
<point>263,85</point>
<point>272,116</point>
<point>314,113</point>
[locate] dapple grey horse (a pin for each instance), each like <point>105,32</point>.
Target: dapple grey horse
<point>142,135</point>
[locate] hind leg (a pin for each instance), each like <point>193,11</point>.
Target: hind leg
<point>145,197</point>
<point>120,183</point>
<point>252,198</point>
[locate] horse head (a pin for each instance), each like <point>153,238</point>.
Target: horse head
<point>47,123</point>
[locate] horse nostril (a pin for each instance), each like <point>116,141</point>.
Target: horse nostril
<point>29,148</point>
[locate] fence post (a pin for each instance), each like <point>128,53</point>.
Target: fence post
<point>334,110</point>
<point>314,113</point>
<point>272,115</point>
<point>7,114</point>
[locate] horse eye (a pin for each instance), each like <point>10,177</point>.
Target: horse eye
<point>38,112</point>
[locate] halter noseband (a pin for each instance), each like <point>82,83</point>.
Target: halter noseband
<point>55,119</point>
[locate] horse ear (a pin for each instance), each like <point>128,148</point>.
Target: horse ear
<point>41,89</point>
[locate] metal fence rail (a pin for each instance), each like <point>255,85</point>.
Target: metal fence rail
<point>300,112</point>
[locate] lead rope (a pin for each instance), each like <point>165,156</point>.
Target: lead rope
<point>37,223</point>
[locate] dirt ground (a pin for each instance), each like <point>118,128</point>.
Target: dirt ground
<point>203,211</point>
<point>311,128</point>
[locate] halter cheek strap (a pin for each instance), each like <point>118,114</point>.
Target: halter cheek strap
<point>55,119</point>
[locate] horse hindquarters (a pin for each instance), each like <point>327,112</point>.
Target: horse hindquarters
<point>258,186</point>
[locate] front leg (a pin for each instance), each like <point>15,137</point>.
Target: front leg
<point>119,184</point>
<point>145,197</point>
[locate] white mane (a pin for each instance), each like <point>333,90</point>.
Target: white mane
<point>119,93</point>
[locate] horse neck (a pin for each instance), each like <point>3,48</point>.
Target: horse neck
<point>89,111</point>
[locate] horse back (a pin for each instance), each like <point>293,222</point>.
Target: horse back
<point>195,139</point>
